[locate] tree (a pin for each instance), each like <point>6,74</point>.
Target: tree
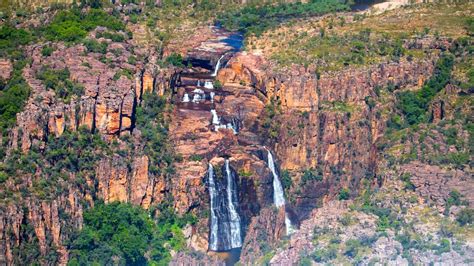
<point>91,3</point>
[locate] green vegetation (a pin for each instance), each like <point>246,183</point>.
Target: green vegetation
<point>286,180</point>
<point>10,40</point>
<point>465,217</point>
<point>334,51</point>
<point>152,123</point>
<point>120,233</point>
<point>270,126</point>
<point>414,104</point>
<point>255,19</point>
<point>58,80</point>
<point>196,157</point>
<point>73,25</point>
<point>174,59</point>
<point>406,180</point>
<point>47,51</point>
<point>94,46</point>
<point>344,194</point>
<point>15,91</point>
<point>115,37</point>
<point>72,152</point>
<point>312,175</point>
<point>13,96</point>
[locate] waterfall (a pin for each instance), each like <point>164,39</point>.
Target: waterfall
<point>208,85</point>
<point>212,94</point>
<point>197,95</point>
<point>186,98</point>
<point>196,98</point>
<point>199,83</point>
<point>214,205</point>
<point>278,195</point>
<point>215,118</point>
<point>225,230</point>
<point>218,65</point>
<point>235,237</point>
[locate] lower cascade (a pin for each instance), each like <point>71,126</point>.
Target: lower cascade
<point>278,195</point>
<point>235,235</point>
<point>214,206</point>
<point>225,228</point>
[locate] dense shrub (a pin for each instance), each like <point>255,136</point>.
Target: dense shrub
<point>255,19</point>
<point>270,125</point>
<point>352,248</point>
<point>119,233</point>
<point>47,51</point>
<point>312,174</point>
<point>11,38</point>
<point>13,97</point>
<point>151,121</point>
<point>465,217</point>
<point>58,80</point>
<point>174,59</point>
<point>414,104</point>
<point>286,179</point>
<point>72,25</point>
<point>344,194</point>
<point>94,46</point>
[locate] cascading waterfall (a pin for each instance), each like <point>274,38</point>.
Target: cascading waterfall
<point>214,205</point>
<point>208,85</point>
<point>198,95</point>
<point>278,195</point>
<point>186,98</point>
<point>234,218</point>
<point>218,65</point>
<point>225,230</point>
<point>212,94</point>
<point>215,118</point>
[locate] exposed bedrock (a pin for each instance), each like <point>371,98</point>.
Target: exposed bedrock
<point>325,122</point>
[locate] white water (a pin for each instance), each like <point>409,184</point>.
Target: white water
<point>278,195</point>
<point>186,98</point>
<point>230,126</point>
<point>208,85</point>
<point>199,83</point>
<point>197,95</point>
<point>212,96</point>
<point>196,98</point>
<point>215,118</point>
<point>235,237</point>
<point>218,65</point>
<point>214,222</point>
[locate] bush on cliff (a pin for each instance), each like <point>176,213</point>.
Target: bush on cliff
<point>11,38</point>
<point>72,25</point>
<point>58,80</point>
<point>414,104</point>
<point>13,97</point>
<point>255,19</point>
<point>123,234</point>
<point>152,123</point>
<point>465,217</point>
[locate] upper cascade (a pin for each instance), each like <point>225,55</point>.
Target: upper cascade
<point>218,65</point>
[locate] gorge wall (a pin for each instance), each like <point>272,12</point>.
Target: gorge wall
<point>328,125</point>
